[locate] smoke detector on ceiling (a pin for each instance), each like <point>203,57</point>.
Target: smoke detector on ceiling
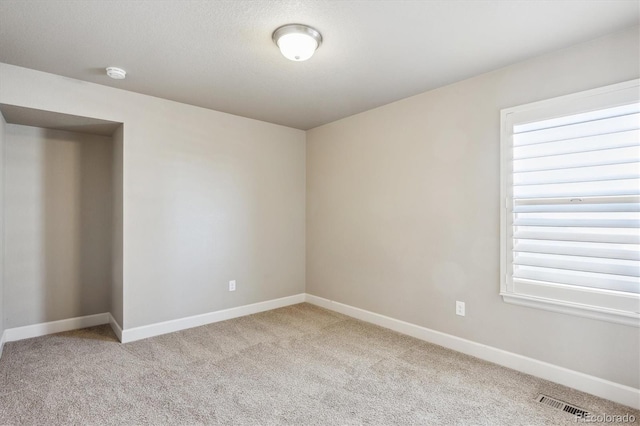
<point>116,73</point>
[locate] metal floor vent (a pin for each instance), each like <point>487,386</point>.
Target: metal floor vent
<point>561,405</point>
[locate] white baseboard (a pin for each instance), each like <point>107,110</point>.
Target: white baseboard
<point>590,384</point>
<point>42,329</point>
<point>137,333</point>
<point>146,331</point>
<point>2,340</point>
<point>115,327</point>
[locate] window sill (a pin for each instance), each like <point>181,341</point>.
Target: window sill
<point>576,309</point>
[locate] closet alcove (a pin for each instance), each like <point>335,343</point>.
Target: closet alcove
<point>63,217</point>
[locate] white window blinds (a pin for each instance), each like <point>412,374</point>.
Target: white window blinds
<point>570,218</point>
<point>576,200</point>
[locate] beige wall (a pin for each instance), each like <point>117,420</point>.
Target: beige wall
<point>403,211</point>
<point>58,224</point>
<point>117,299</point>
<point>207,197</point>
<point>2,143</point>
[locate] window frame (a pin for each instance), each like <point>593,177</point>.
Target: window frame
<point>601,304</point>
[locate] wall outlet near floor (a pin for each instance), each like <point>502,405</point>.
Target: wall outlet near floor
<point>459,308</point>
<point>232,285</point>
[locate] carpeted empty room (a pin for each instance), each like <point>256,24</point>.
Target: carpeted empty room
<point>304,212</point>
<point>295,365</point>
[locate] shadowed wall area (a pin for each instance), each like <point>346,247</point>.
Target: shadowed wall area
<point>58,224</point>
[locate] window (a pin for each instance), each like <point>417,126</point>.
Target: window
<point>571,204</point>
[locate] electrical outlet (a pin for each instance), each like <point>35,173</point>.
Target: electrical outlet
<point>459,308</point>
<point>232,285</point>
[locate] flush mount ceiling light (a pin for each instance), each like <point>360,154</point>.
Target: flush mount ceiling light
<point>296,41</point>
<point>116,73</point>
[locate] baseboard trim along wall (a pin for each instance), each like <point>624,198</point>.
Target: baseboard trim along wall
<point>42,329</point>
<point>574,379</point>
<point>146,331</point>
<point>2,340</point>
<point>143,332</point>
<point>115,327</point>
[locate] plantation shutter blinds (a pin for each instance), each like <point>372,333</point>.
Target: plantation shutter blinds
<point>576,200</point>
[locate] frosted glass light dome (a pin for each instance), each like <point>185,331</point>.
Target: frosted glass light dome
<point>297,42</point>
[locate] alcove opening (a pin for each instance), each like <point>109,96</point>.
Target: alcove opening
<point>63,216</point>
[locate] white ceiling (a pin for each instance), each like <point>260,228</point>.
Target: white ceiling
<point>219,54</point>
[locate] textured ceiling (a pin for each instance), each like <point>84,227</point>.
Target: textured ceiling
<point>219,54</point>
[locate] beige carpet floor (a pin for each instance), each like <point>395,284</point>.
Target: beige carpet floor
<point>299,365</point>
